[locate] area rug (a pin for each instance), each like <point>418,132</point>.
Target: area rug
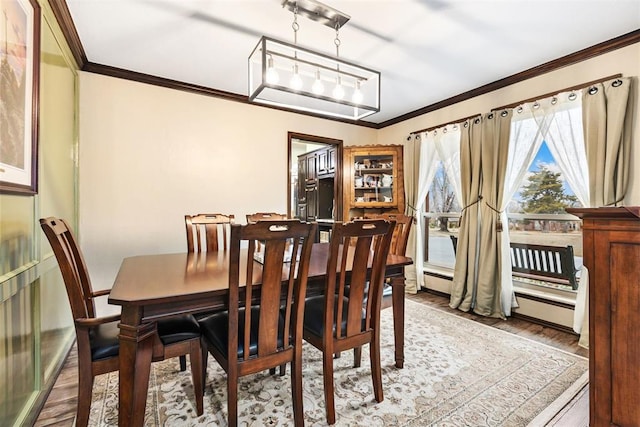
<point>457,372</point>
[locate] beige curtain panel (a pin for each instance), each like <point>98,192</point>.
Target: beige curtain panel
<point>411,166</point>
<point>495,150</point>
<point>607,137</point>
<point>463,289</point>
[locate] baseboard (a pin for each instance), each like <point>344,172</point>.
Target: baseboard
<point>553,312</point>
<point>543,322</point>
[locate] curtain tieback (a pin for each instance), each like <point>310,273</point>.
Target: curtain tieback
<point>470,204</point>
<point>498,221</point>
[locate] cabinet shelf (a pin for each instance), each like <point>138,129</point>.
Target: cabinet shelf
<point>373,179</point>
<point>373,188</point>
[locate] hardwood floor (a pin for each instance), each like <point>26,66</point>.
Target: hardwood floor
<point>59,409</point>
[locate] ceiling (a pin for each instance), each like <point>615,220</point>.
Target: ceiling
<point>426,50</point>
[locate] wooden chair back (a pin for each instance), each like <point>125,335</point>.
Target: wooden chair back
<point>353,320</point>
<point>207,232</point>
<point>269,333</point>
<point>72,266</point>
<point>264,216</point>
<point>97,337</point>
<point>368,243</point>
<point>400,232</point>
<point>281,241</point>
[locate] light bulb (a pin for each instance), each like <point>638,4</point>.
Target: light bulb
<point>296,81</point>
<point>272,74</point>
<point>318,87</point>
<point>357,94</point>
<point>338,91</point>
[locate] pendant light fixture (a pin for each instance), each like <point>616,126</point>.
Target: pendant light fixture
<point>295,77</point>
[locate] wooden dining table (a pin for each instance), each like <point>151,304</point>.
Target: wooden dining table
<point>153,287</point>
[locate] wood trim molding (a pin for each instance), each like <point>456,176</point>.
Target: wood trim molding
<point>63,16</point>
<point>573,58</point>
<point>121,73</point>
<point>68,28</point>
<point>543,323</point>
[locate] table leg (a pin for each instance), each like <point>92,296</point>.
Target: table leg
<point>136,351</point>
<point>397,296</point>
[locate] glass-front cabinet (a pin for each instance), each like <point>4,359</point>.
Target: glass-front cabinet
<point>373,180</point>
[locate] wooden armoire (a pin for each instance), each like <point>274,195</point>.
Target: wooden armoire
<point>611,243</point>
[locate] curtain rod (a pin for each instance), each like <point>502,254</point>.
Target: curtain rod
<point>444,124</point>
<point>567,89</point>
<point>515,104</point>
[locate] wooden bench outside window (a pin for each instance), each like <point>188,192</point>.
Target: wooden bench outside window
<point>553,264</point>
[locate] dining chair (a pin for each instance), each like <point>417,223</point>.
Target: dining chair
<point>207,232</point>
<point>334,322</point>
<point>268,334</point>
<point>401,231</point>
<point>97,337</point>
<point>264,216</point>
<point>399,242</point>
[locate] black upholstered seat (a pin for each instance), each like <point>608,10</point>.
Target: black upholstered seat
<point>104,341</point>
<point>215,329</point>
<point>178,329</point>
<point>105,344</point>
<point>314,314</point>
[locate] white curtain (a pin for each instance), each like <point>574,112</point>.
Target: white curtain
<point>438,145</point>
<point>560,119</point>
<point>426,172</point>
<point>448,146</point>
<point>524,142</point>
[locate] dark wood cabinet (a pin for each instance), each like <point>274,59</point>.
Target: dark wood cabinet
<point>312,203</point>
<point>611,243</point>
<point>312,168</point>
<point>317,185</point>
<point>326,162</point>
<point>301,183</point>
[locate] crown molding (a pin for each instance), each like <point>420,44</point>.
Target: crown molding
<point>61,12</point>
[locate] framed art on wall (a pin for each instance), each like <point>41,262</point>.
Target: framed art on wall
<point>19,78</point>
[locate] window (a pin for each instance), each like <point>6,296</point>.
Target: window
<point>442,216</point>
<point>536,212</point>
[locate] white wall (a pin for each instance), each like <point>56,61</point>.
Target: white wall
<point>625,61</point>
<point>150,155</point>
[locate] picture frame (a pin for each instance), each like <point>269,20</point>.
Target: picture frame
<point>19,78</point>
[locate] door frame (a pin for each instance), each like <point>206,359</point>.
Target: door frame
<point>337,180</point>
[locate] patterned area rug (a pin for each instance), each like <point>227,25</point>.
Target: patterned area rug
<point>457,373</point>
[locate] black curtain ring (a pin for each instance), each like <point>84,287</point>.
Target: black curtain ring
<point>466,124</point>
<point>616,83</point>
<point>593,90</point>
<point>490,116</point>
<point>504,113</point>
<point>444,130</point>
<point>476,121</point>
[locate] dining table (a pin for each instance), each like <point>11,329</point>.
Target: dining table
<point>153,287</point>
